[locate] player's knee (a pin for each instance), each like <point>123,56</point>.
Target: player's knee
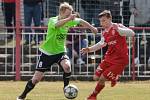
<point>35,80</point>
<point>102,80</point>
<point>67,68</point>
<point>96,78</point>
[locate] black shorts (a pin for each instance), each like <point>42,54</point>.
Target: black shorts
<point>45,61</point>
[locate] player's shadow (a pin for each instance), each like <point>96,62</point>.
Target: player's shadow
<point>58,99</point>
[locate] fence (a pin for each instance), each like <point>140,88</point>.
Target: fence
<point>86,68</point>
<point>18,59</point>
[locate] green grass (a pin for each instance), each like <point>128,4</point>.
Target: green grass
<point>9,90</point>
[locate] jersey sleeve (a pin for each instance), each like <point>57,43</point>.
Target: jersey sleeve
<point>102,40</point>
<point>121,25</point>
<point>98,45</point>
<point>74,22</point>
<point>124,31</point>
<point>52,22</point>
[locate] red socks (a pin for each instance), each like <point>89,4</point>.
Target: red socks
<point>98,88</point>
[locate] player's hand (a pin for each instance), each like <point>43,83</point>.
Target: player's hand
<point>72,16</point>
<point>84,50</point>
<point>94,30</point>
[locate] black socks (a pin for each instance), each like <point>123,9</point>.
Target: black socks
<point>66,78</point>
<point>28,88</point>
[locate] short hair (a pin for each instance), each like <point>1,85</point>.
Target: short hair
<point>63,6</point>
<point>106,13</point>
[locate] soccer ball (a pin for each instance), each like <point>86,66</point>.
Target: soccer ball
<point>71,91</point>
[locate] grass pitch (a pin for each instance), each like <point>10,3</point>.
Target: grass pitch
<point>138,90</point>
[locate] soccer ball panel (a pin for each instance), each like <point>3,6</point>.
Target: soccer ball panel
<point>71,91</point>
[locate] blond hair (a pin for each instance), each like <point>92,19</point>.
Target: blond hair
<point>63,6</point>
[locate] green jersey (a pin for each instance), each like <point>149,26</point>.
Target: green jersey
<point>55,42</point>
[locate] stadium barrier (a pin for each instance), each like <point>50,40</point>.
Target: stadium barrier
<point>29,56</point>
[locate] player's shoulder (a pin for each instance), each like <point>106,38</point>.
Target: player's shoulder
<point>53,18</point>
<point>120,25</point>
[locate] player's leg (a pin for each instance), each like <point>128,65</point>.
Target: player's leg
<point>40,69</point>
<point>99,87</point>
<point>31,84</point>
<point>101,80</point>
<point>112,73</point>
<point>66,65</point>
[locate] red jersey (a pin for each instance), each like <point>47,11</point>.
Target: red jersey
<point>117,52</point>
<point>9,1</point>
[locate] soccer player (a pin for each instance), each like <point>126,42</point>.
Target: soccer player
<point>53,49</point>
<point>116,57</point>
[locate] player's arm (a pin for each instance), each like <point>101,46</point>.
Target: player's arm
<point>95,47</point>
<point>88,25</point>
<point>61,22</point>
<point>124,31</point>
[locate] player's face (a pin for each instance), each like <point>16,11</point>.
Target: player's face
<point>66,13</point>
<point>105,22</point>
